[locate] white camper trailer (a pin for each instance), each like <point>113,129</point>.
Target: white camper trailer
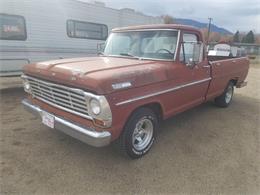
<point>37,30</point>
<point>226,50</point>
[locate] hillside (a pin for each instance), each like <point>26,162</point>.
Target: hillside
<point>197,24</point>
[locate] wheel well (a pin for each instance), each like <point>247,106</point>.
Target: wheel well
<point>234,81</point>
<point>155,107</point>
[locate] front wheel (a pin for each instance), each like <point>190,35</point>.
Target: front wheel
<point>225,98</point>
<point>139,133</point>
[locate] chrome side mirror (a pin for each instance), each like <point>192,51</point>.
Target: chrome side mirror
<point>196,52</point>
<point>193,53</point>
<point>100,48</point>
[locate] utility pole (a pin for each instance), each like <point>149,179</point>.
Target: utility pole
<point>209,25</point>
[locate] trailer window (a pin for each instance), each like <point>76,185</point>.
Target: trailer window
<point>12,27</point>
<point>86,30</point>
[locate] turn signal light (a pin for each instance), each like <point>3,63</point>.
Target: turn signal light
<point>99,123</point>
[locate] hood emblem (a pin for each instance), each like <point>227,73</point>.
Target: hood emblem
<point>121,85</point>
<point>53,73</point>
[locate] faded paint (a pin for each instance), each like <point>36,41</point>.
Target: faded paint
<point>97,74</point>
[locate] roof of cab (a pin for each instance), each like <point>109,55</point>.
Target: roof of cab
<point>156,26</point>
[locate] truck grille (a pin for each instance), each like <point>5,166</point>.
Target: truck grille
<point>65,98</point>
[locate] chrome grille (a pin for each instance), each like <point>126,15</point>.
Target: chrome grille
<point>66,98</point>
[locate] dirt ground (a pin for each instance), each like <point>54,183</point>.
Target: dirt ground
<point>205,150</point>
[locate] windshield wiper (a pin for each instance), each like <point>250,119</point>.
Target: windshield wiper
<point>127,54</point>
<point>100,53</point>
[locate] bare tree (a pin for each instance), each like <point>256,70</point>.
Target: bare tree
<point>168,19</point>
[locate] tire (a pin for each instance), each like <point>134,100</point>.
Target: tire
<point>139,133</point>
<point>225,98</point>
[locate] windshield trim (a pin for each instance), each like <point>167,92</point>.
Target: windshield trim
<point>144,58</point>
<point>140,30</point>
<point>138,58</point>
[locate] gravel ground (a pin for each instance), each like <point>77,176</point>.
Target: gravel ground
<point>10,82</point>
<point>204,150</point>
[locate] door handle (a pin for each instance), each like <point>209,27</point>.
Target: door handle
<point>218,64</point>
<point>234,61</point>
<point>206,66</point>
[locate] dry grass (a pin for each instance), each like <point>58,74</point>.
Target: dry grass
<point>255,61</point>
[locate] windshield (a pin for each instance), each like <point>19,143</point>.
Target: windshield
<point>160,44</point>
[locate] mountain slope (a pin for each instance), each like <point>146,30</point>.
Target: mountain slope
<point>197,24</point>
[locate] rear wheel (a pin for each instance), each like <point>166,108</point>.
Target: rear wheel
<point>225,98</point>
<point>139,133</point>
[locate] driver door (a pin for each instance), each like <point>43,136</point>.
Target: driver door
<point>200,70</point>
<point>192,79</point>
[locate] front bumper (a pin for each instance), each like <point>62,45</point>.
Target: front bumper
<point>84,134</point>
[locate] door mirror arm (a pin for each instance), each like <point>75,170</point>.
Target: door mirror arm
<point>191,63</point>
<point>100,48</point>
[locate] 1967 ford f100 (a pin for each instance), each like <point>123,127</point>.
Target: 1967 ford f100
<point>145,74</point>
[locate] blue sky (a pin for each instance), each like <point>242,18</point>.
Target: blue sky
<point>243,15</point>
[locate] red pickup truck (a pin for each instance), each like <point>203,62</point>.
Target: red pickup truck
<point>145,74</point>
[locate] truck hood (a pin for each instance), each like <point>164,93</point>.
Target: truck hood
<point>98,74</point>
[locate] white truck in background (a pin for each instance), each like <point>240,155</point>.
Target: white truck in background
<point>32,31</point>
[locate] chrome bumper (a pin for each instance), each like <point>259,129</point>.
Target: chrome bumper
<point>86,135</point>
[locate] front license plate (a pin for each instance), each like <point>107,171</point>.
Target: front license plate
<point>48,119</point>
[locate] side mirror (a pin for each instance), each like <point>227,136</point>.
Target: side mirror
<point>197,52</point>
<point>193,51</point>
<point>100,48</point>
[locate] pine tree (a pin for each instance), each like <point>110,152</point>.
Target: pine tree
<point>249,38</point>
<point>236,37</point>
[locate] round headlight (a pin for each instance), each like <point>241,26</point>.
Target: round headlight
<point>27,86</point>
<point>95,106</point>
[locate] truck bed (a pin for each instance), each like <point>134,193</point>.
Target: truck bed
<point>225,70</point>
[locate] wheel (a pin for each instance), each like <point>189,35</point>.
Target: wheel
<point>225,98</point>
<point>139,133</point>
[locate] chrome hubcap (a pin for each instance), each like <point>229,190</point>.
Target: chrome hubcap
<point>143,134</point>
<point>229,94</point>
